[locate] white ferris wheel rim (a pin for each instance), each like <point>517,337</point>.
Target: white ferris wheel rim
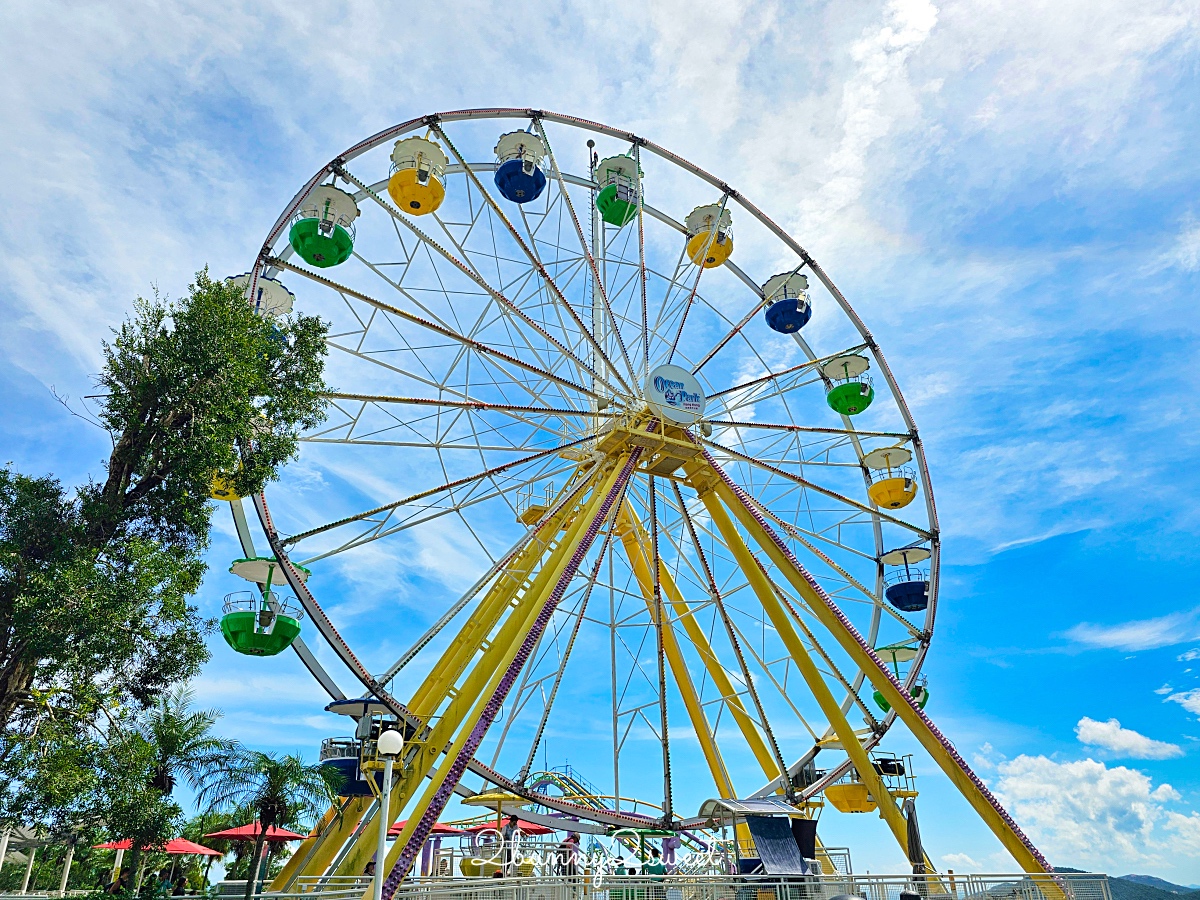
<point>868,345</point>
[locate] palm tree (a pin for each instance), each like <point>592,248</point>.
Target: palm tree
<point>281,790</point>
<point>183,741</point>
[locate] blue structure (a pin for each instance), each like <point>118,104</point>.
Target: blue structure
<point>788,307</point>
<point>519,176</point>
<point>909,596</point>
<point>353,782</point>
<point>787,316</point>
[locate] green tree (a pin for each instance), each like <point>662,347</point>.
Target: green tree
<point>183,742</point>
<point>283,791</point>
<point>95,619</point>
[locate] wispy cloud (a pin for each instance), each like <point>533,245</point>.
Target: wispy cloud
<point>1123,742</point>
<point>1189,700</point>
<point>1140,634</point>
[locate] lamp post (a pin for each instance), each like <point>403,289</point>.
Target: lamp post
<point>389,745</point>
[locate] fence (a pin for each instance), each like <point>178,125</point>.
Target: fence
<point>825,887</point>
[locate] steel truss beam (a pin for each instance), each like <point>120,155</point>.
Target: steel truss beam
<point>934,742</point>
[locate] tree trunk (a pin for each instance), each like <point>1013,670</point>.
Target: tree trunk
<point>16,676</point>
<point>255,861</point>
<point>207,868</point>
<point>135,868</point>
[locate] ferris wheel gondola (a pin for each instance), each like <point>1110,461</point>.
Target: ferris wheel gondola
<point>590,438</point>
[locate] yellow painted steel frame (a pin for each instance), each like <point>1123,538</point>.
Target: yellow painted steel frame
<point>467,701</point>
<point>852,643</point>
<point>634,535</point>
<point>633,539</point>
<point>775,610</point>
<point>326,831</point>
<point>487,674</point>
<point>433,690</point>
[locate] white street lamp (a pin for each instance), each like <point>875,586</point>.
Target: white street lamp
<point>390,745</point>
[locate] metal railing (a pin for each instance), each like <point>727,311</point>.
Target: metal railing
<point>824,887</point>
<point>262,601</point>
<point>686,887</point>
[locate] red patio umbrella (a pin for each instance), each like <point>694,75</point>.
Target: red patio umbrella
<point>251,831</point>
<point>438,828</point>
<point>526,827</point>
<point>175,847</point>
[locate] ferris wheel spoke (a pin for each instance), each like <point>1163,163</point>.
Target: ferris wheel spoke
<point>641,233</point>
<point>833,495</point>
<point>597,280</point>
<point>443,421</point>
<point>712,233</point>
<point>421,515</point>
<point>431,381</point>
<point>474,405</point>
<point>475,345</point>
<point>790,370</point>
<point>481,282</point>
<point>795,534</point>
<point>852,698</point>
<point>806,429</point>
<point>421,495</point>
<point>641,552</point>
<point>565,657</point>
<point>748,642</point>
<point>549,282</point>
<point>742,323</point>
<point>772,762</point>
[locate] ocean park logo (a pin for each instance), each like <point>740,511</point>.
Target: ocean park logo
<point>675,394</point>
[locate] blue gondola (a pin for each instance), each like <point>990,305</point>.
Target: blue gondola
<point>909,596</point>
<point>788,306</point>
<point>906,586</point>
<point>519,177</point>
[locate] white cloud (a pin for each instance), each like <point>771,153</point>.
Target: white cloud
<point>873,98</point>
<point>1123,741</point>
<point>1140,634</point>
<point>1165,689</point>
<point>1186,252</point>
<point>1089,814</point>
<point>1189,700</point>
<point>958,861</point>
<point>1189,655</point>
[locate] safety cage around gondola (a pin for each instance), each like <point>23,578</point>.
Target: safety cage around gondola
<point>619,180</point>
<point>322,230</point>
<point>260,623</point>
<point>418,175</point>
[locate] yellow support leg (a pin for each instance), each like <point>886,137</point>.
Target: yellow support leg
<point>628,520</point>
<point>317,850</point>
<point>855,647</point>
<point>779,617</point>
<point>429,696</point>
<point>633,539</point>
<point>538,596</point>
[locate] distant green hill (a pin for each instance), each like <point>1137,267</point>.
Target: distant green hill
<point>1160,883</point>
<point>1142,887</point>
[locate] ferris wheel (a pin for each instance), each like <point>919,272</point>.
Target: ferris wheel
<point>614,464</point>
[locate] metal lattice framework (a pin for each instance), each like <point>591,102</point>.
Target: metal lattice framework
<point>562,562</point>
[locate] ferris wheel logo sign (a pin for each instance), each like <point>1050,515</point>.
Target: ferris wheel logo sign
<point>675,394</point>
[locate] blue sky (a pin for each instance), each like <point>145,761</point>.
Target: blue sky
<point>1008,195</point>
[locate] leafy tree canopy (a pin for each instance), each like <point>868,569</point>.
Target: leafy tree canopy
<point>95,619</point>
